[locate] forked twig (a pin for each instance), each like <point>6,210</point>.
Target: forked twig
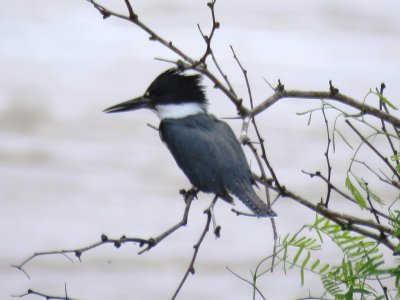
<point>151,242</point>
<point>46,296</point>
<point>189,196</point>
<point>190,270</point>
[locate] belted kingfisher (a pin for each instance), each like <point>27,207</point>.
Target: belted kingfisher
<point>204,147</point>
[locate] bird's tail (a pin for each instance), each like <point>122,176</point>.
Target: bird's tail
<point>248,196</point>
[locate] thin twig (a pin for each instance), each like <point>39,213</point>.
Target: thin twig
<point>364,108</point>
<point>208,39</point>
<point>349,222</point>
<point>189,197</point>
<point>343,194</point>
<point>328,163</point>
<point>151,242</point>
<point>383,106</point>
<point>47,297</point>
<point>247,281</point>
<point>384,159</point>
<point>373,210</point>
<point>190,269</point>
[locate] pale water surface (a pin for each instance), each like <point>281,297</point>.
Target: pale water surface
<point>68,172</point>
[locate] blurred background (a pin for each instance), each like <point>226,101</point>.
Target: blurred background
<point>69,173</point>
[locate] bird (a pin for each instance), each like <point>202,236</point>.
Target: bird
<point>204,147</point>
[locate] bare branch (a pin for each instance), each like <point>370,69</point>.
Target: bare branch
<point>341,193</point>
<point>384,159</point>
<point>328,163</point>
<point>189,196</point>
<point>47,297</point>
<point>190,269</point>
<point>247,281</point>
<point>349,222</point>
<point>151,242</point>
<point>364,108</point>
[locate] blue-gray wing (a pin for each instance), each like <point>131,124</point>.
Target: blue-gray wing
<point>211,157</point>
<point>208,152</point>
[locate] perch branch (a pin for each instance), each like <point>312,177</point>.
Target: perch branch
<point>364,108</point>
<point>190,270</point>
<point>151,242</point>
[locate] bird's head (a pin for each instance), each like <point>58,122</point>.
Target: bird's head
<point>172,94</point>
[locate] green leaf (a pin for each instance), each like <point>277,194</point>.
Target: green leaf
<point>302,276</point>
<point>315,264</point>
<point>296,258</point>
<point>356,194</point>
<point>305,261</point>
<point>385,100</point>
<point>324,268</point>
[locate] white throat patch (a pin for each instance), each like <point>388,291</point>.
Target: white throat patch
<point>178,111</point>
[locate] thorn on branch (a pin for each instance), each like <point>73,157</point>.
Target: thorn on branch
<point>334,91</point>
<point>78,254</point>
<point>104,238</point>
<point>106,14</point>
<point>180,64</point>
<point>383,86</point>
<point>217,231</point>
<point>280,88</point>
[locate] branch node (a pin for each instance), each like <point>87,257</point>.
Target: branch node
<point>104,238</point>
<point>383,86</point>
<point>334,91</point>
<point>217,231</point>
<point>280,88</point>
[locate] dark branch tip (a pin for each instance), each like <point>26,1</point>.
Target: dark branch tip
<point>134,17</point>
<point>105,14</point>
<point>192,271</point>
<point>78,254</point>
<point>280,88</point>
<point>104,238</point>
<point>332,89</point>
<point>217,231</point>
<point>383,86</point>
